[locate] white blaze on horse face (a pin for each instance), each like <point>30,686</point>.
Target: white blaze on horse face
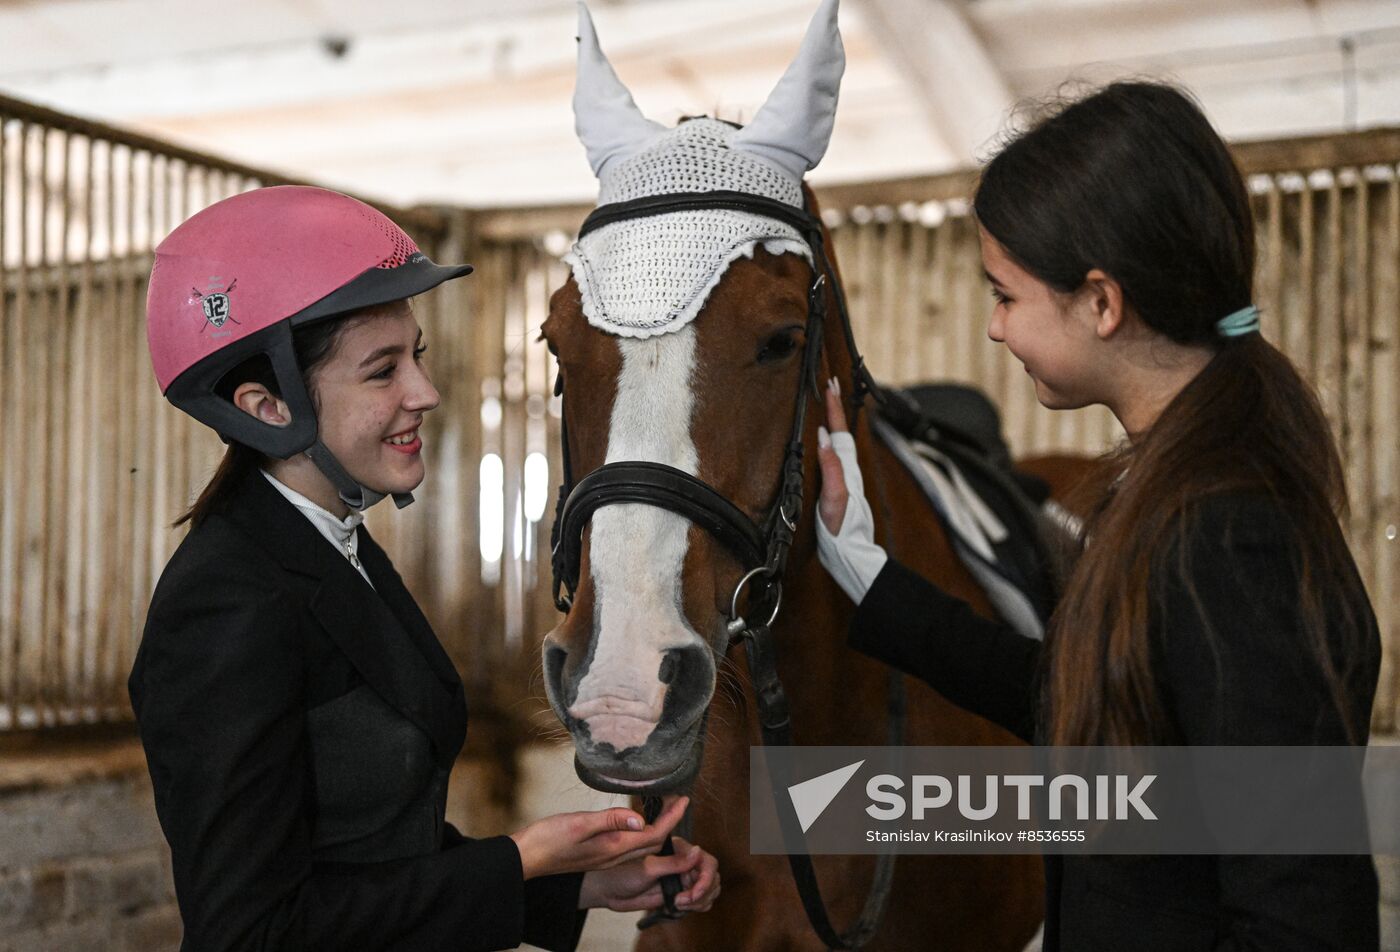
<point>636,551</point>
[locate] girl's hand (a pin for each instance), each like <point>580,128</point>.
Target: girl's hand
<point>592,840</point>
<point>832,505</point>
<point>846,526</point>
<point>636,884</point>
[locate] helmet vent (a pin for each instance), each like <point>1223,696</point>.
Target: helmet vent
<point>404,248</point>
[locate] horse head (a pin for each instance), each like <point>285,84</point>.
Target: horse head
<point>681,338</point>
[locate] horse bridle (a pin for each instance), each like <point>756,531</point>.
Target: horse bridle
<point>761,548</point>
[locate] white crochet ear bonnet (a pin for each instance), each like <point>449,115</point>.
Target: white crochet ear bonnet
<point>646,276</point>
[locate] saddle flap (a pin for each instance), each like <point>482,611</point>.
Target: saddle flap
<point>965,472</point>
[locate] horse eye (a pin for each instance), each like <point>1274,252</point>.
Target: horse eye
<point>777,347</point>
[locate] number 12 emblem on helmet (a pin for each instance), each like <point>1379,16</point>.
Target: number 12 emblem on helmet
<point>215,304</point>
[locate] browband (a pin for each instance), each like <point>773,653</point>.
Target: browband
<point>799,218</point>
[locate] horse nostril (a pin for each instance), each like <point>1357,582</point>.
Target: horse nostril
<point>670,665</point>
<point>554,659</point>
<point>689,676</point>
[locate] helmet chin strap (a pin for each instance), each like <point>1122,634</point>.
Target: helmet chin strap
<point>357,497</point>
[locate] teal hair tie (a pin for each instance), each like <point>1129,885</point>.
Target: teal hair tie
<point>1244,321</point>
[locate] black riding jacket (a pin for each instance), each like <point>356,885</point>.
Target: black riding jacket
<point>1232,669</point>
<point>300,727</point>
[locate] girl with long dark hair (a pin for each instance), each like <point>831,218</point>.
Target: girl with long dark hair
<point>1215,601</point>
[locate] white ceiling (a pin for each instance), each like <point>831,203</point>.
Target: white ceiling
<point>467,101</point>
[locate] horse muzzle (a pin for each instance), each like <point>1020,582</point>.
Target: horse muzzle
<point>639,729</point>
<point>666,762</point>
<point>679,778</point>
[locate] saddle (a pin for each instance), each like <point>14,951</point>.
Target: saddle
<point>948,436</point>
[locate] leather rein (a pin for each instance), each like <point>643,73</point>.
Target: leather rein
<point>761,548</point>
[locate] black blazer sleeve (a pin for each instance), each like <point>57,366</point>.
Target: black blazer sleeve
<point>982,666</point>
<point>552,917</point>
<point>1237,671</point>
<point>218,693</point>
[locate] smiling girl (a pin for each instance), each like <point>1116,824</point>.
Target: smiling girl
<point>1215,601</point>
<point>299,716</point>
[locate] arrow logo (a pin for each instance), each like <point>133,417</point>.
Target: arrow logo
<point>811,797</point>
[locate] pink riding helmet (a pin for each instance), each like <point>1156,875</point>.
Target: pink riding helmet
<point>236,278</point>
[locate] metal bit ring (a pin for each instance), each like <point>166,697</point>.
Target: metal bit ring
<point>734,615</point>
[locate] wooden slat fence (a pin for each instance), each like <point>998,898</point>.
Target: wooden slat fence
<point>97,465</point>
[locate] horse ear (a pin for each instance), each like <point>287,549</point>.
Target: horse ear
<point>793,128</point>
<point>606,118</point>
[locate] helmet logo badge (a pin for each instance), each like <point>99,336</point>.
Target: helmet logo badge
<point>215,304</point>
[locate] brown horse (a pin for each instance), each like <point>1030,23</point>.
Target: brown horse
<point>634,667</point>
<point>738,425</point>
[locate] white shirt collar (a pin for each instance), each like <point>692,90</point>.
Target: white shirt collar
<point>339,532</point>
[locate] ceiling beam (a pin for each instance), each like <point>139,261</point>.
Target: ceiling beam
<point>959,86</point>
<point>1039,38</point>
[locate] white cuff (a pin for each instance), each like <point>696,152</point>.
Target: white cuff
<point>851,556</point>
